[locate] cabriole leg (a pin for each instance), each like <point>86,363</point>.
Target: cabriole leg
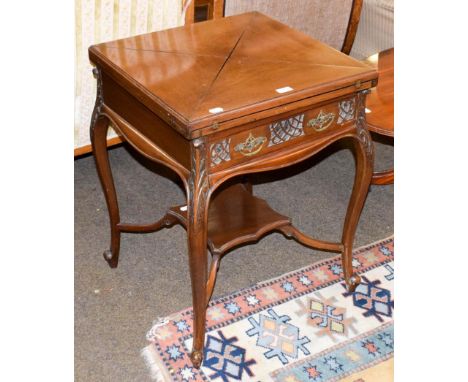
<point>364,155</point>
<point>99,144</point>
<point>198,199</point>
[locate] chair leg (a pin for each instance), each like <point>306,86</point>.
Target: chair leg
<point>382,178</point>
<point>99,145</point>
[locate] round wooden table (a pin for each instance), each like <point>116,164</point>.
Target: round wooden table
<point>379,106</point>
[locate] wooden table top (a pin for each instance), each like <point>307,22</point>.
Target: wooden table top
<point>380,101</point>
<point>220,70</point>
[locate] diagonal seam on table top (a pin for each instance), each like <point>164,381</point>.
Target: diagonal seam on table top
<point>202,98</point>
<point>177,51</point>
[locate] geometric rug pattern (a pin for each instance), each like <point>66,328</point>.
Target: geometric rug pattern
<point>300,327</point>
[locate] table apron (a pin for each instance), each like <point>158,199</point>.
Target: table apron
<point>288,156</point>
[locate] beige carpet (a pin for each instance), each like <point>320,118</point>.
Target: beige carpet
<point>113,308</point>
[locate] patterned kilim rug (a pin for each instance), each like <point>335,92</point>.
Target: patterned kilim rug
<point>302,326</point>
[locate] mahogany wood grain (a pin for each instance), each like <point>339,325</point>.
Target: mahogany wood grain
<point>156,89</point>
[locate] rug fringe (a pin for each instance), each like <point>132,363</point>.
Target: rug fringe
<point>160,321</point>
<point>157,371</point>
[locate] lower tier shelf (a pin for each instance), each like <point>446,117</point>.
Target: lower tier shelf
<point>235,217</point>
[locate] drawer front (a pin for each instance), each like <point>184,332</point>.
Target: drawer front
<point>267,138</point>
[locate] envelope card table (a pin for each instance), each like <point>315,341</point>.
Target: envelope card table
<point>222,99</point>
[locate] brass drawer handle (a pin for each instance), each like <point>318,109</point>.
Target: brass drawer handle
<point>251,146</point>
<point>322,121</point>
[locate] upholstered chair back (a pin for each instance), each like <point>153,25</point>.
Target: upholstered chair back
<point>324,20</point>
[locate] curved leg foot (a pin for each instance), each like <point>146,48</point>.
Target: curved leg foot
<point>99,127</point>
<point>364,155</point>
<point>353,282</point>
<point>197,358</point>
<point>110,258</point>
